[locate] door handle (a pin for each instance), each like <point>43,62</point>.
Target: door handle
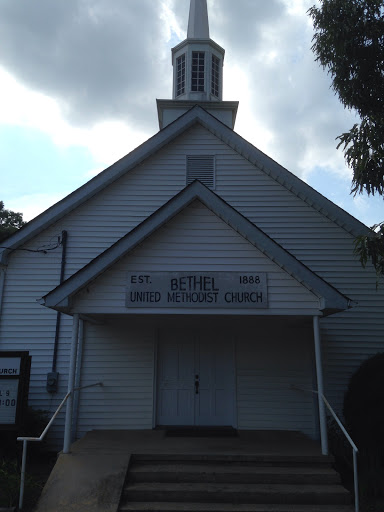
<point>197,384</point>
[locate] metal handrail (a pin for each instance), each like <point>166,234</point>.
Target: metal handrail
<point>26,440</point>
<point>349,439</point>
<point>354,448</point>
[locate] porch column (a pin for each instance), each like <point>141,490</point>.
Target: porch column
<point>320,387</point>
<point>71,383</point>
<point>76,395</point>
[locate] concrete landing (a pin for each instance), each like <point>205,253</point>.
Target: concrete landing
<point>91,477</point>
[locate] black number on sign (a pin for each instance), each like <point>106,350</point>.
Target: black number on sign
<point>13,402</point>
<point>249,279</point>
<point>7,402</point>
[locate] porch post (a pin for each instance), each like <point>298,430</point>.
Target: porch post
<point>76,395</point>
<point>71,384</point>
<point>320,387</point>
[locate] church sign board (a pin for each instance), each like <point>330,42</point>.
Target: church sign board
<point>14,383</point>
<point>229,290</point>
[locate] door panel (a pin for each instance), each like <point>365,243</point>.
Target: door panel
<point>184,359</point>
<point>175,380</point>
<point>215,402</point>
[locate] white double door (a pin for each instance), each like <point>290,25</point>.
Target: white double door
<point>195,379</point>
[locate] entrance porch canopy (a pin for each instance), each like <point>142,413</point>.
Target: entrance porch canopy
<point>320,297</point>
<point>300,292</point>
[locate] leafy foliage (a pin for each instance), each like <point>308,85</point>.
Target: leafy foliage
<point>364,418</point>
<point>372,248</point>
<point>39,462</point>
<point>364,404</point>
<point>349,42</point>
<point>9,222</point>
<point>364,152</point>
<point>9,482</point>
<point>10,485</point>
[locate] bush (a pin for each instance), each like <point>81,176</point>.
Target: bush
<point>364,418</point>
<point>10,485</point>
<point>364,404</point>
<point>38,459</point>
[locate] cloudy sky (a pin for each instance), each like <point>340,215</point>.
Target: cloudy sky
<point>79,79</point>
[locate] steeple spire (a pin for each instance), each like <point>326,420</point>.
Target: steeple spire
<point>197,73</point>
<point>198,25</point>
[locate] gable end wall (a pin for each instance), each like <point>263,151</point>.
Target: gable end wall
<point>314,239</point>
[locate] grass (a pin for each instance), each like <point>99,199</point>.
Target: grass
<point>38,469</point>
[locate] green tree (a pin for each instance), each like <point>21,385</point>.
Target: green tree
<point>9,222</point>
<point>349,43</point>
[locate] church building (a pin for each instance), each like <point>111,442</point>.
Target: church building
<point>194,283</point>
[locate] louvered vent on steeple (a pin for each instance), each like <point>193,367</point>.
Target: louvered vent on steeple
<point>201,168</point>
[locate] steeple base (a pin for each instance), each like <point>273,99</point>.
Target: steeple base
<point>170,110</point>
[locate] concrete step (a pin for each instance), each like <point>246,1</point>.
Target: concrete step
<point>237,493</point>
<point>221,473</point>
<point>233,459</point>
<point>229,507</point>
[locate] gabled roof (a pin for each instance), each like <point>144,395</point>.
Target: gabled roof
<point>331,299</point>
<point>158,141</point>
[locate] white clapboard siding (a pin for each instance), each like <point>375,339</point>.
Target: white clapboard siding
<point>317,241</point>
<point>196,239</point>
<point>26,325</point>
<point>269,363</point>
<point>274,366</point>
<point>122,358</point>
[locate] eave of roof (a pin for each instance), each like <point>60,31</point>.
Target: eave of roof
<point>154,144</point>
<point>332,299</point>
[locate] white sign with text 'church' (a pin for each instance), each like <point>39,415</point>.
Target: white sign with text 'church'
<point>230,290</point>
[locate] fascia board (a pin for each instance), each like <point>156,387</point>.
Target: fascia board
<point>276,253</point>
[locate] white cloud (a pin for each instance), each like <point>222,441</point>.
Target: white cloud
<point>172,26</point>
<point>87,74</point>
<point>32,205</point>
<point>22,106</point>
<point>298,7</point>
<point>361,203</point>
<point>286,107</point>
<point>107,141</point>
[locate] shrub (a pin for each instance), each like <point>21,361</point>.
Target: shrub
<point>364,404</point>
<point>364,418</point>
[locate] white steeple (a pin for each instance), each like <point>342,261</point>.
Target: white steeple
<point>198,25</point>
<point>197,73</point>
<point>198,61</point>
